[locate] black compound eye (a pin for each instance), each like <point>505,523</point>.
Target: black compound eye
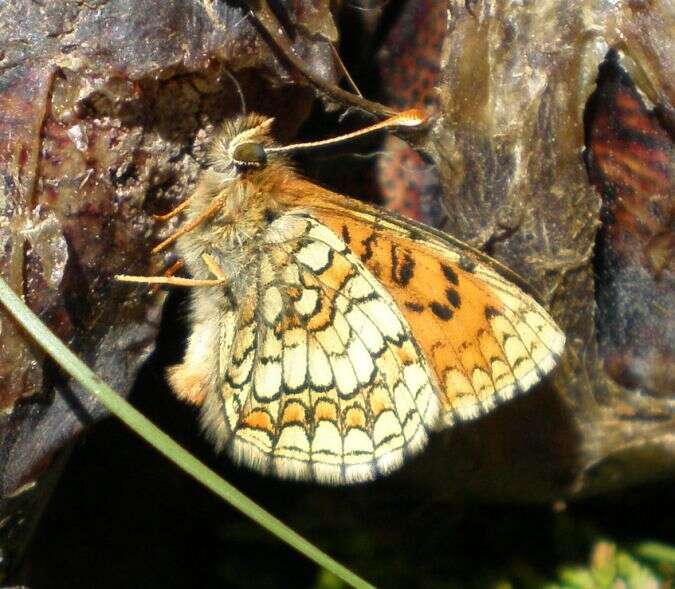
<point>249,155</point>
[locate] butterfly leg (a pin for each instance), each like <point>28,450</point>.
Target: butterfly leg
<point>209,212</point>
<point>175,211</point>
<point>170,271</point>
<point>170,280</point>
<point>214,268</point>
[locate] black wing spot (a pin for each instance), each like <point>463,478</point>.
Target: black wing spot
<point>453,297</point>
<point>450,274</point>
<point>401,270</point>
<point>415,307</point>
<point>345,234</point>
<point>441,311</point>
<point>368,244</point>
<point>491,312</point>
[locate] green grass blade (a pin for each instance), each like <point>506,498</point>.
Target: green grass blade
<point>656,551</point>
<point>118,406</point>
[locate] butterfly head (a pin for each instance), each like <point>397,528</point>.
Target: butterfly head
<point>242,145</point>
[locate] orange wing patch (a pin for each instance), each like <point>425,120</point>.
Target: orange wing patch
<point>485,338</point>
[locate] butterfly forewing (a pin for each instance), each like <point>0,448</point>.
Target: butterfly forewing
<point>484,338</point>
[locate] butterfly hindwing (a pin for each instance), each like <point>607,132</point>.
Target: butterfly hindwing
<point>323,379</point>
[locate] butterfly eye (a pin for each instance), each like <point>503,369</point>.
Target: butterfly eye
<point>249,155</point>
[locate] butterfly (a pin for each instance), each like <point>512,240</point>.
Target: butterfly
<point>330,337</point>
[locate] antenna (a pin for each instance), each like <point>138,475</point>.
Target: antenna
<point>242,100</point>
<point>408,118</point>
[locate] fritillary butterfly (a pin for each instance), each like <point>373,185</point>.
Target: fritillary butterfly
<point>330,337</point>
